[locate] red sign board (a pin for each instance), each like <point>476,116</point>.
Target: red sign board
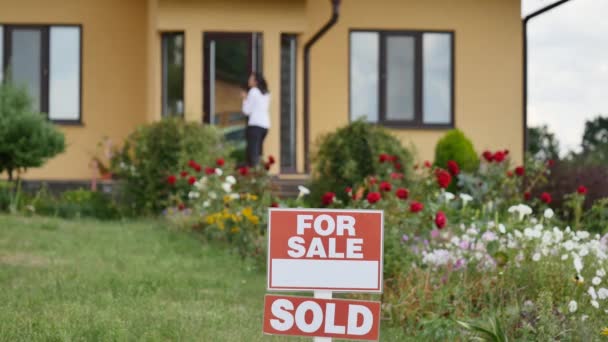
<point>334,318</point>
<point>325,249</point>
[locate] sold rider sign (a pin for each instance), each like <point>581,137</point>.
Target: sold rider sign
<point>320,249</point>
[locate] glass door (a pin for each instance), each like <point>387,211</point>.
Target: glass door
<point>229,60</point>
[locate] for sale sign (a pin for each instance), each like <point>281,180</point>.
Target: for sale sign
<point>319,249</point>
<point>305,316</point>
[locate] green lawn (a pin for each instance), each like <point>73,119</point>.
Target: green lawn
<point>89,281</point>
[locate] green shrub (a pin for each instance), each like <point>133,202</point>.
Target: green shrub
<point>6,190</point>
<point>456,146</point>
<point>27,139</point>
<point>346,157</point>
<point>157,150</point>
<point>75,204</point>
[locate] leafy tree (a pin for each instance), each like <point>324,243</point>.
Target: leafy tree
<point>595,139</point>
<point>542,143</point>
<point>27,139</point>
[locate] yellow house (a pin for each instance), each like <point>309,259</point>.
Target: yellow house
<point>102,67</point>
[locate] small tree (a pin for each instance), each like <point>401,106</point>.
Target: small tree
<point>27,139</point>
<point>595,140</point>
<point>542,143</point>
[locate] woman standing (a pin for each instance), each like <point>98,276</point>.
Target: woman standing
<point>256,105</point>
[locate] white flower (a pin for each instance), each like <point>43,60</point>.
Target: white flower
<point>549,213</point>
<point>592,293</point>
<point>227,187</point>
<point>489,236</point>
<point>600,272</point>
<point>536,257</point>
<point>518,233</point>
<point>572,306</point>
<point>437,257</point>
<point>212,195</point>
<point>578,263</point>
<point>584,317</point>
<point>521,209</point>
<point>206,204</point>
<point>466,198</point>
<point>234,196</point>
<point>583,251</point>
<point>565,257</point>
<point>501,228</point>
<point>568,245</point>
<point>595,304</point>
<point>303,191</point>
<point>219,171</point>
<point>602,293</point>
<point>596,280</point>
<point>448,196</point>
<point>230,179</point>
<point>193,194</point>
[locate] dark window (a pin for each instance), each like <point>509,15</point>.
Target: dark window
<point>288,103</point>
<point>172,74</point>
<point>402,78</point>
<point>46,60</point>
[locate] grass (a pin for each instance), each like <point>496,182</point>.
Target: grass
<point>84,280</point>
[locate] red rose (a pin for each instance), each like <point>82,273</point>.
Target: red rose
<point>453,168</point>
<point>440,220</point>
<point>274,205</point>
<point>209,170</point>
<point>194,165</point>
<point>171,179</point>
<point>527,195</point>
<point>550,163</point>
<point>183,174</point>
<point>384,157</point>
<point>509,173</point>
<point>520,171</point>
<point>243,171</point>
<point>416,207</point>
<point>488,156</point>
<point>546,197</point>
<point>427,164</point>
<point>271,160</point>
<point>267,166</point>
<point>396,175</point>
<point>191,180</point>
<point>402,193</point>
<point>328,198</point>
<point>582,190</point>
<point>499,156</point>
<point>443,179</point>
<point>385,186</point>
<point>181,206</point>
<point>393,158</point>
<point>219,162</point>
<point>397,166</point>
<point>373,197</point>
<point>348,190</point>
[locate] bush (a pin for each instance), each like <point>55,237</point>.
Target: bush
<point>75,204</point>
<point>155,151</point>
<point>349,155</point>
<point>456,146</point>
<point>27,139</point>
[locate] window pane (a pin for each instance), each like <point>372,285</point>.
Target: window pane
<point>173,74</point>
<point>25,62</point>
<point>288,102</point>
<point>64,73</point>
<point>364,75</point>
<point>400,78</point>
<point>1,53</point>
<point>437,78</point>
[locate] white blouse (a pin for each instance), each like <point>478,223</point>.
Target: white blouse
<point>257,105</point>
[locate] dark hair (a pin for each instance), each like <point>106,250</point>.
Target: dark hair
<point>259,79</point>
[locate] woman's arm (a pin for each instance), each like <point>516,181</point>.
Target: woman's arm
<point>250,100</point>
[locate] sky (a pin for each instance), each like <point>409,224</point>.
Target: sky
<point>568,67</point>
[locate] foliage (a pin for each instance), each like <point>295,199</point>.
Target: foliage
<point>27,139</point>
<point>349,155</point>
<point>157,150</point>
<point>493,331</point>
<point>596,218</point>
<point>454,145</point>
<point>595,140</point>
<point>542,143</point>
<point>6,195</point>
<point>75,204</point>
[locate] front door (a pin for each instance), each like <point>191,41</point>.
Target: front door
<point>229,60</point>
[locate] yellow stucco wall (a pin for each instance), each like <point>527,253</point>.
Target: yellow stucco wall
<point>488,65</point>
<point>113,73</point>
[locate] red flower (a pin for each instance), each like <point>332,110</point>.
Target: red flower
<point>520,171</point>
<point>397,166</point>
<point>443,178</point>
<point>385,186</point>
<point>196,166</point>
<point>402,193</point>
<point>393,158</point>
<point>384,157</point>
<point>546,197</point>
<point>427,164</point>
<point>509,173</point>
<point>488,156</point>
<point>243,171</point>
<point>453,167</point>
<point>416,207</point>
<point>209,170</point>
<point>499,156</point>
<point>183,174</point>
<point>219,162</point>
<point>550,163</point>
<point>527,195</point>
<point>582,190</point>
<point>267,166</point>
<point>396,175</point>
<point>372,180</point>
<point>328,198</point>
<point>191,180</point>
<point>271,160</point>
<point>181,206</point>
<point>440,220</point>
<point>373,197</point>
<point>274,205</point>
<point>348,190</point>
<point>171,179</point>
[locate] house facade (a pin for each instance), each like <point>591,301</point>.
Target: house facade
<point>100,68</point>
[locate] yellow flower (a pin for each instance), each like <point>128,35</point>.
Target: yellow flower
<point>247,212</point>
<point>604,332</point>
<point>235,229</point>
<point>578,280</point>
<point>227,199</point>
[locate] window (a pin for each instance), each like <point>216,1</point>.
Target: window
<point>402,78</point>
<point>288,102</point>
<point>46,60</point>
<point>173,74</point>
